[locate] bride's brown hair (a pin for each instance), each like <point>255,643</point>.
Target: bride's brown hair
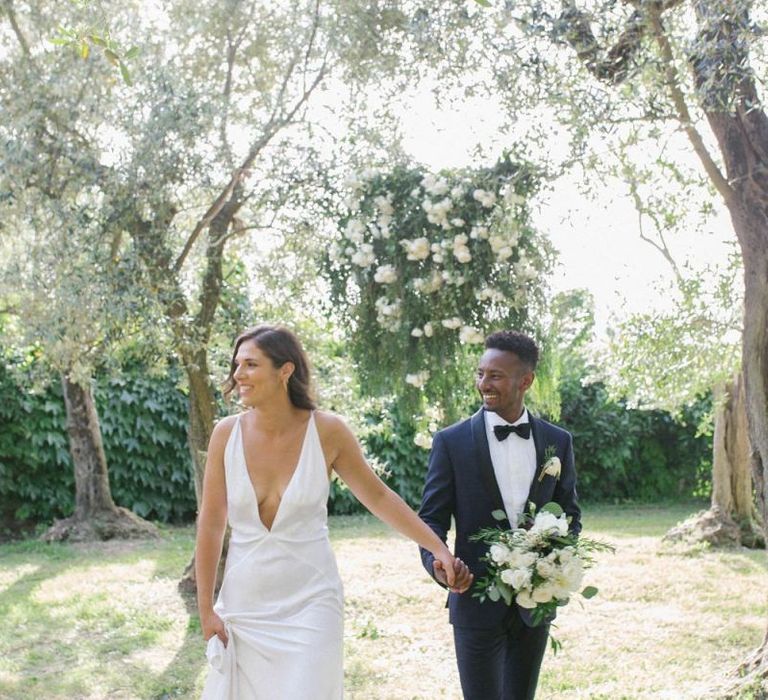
<point>280,345</point>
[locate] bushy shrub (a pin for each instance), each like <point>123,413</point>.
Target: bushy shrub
<point>624,454</point>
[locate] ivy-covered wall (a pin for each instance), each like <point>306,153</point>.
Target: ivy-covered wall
<point>143,421</point>
<point>622,454</point>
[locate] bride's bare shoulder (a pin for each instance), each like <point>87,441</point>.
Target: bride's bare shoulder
<point>223,427</point>
<point>330,425</point>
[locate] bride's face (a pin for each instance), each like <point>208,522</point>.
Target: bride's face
<point>257,379</point>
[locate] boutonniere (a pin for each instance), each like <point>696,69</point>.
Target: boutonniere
<point>551,465</point>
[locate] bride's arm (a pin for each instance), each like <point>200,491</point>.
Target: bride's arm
<point>349,463</point>
<point>211,524</point>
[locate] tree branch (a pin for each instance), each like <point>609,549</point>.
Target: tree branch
<point>683,114</point>
<point>8,7</point>
<point>270,129</point>
<point>612,65</point>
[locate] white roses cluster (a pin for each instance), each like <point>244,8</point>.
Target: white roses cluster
<point>536,577</point>
<point>417,249</point>
<point>437,212</point>
<point>460,249</point>
<point>385,274</point>
<point>470,334</point>
<point>486,198</point>
<point>449,238</point>
<point>388,314</point>
<point>364,256</point>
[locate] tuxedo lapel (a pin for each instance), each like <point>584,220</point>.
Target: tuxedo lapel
<point>483,458</point>
<point>538,441</point>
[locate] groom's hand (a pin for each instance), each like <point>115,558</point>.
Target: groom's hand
<point>462,576</point>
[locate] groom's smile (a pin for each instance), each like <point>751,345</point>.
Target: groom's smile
<point>502,380</point>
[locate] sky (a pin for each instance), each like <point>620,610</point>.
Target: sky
<point>598,241</point>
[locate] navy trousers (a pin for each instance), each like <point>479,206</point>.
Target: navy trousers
<point>500,663</point>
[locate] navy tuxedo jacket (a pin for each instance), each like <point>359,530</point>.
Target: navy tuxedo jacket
<point>461,484</point>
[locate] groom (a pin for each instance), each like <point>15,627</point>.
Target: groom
<point>493,461</point>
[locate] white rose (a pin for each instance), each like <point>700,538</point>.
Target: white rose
<point>462,254</point>
<point>423,440</point>
<point>418,379</point>
<point>524,599</point>
<point>545,568</point>
<point>415,192</point>
<point>487,199</point>
<point>428,330</point>
<point>355,230</point>
<point>384,205</point>
<point>417,249</point>
<point>417,332</point>
<point>543,594</point>
<point>434,185</point>
<point>457,192</point>
<point>517,578</point>
<point>510,197</point>
<point>479,232</point>
<point>364,256</point>
<point>457,222</point>
<point>499,553</point>
<point>451,323</point>
<point>385,274</point>
<point>470,334</point>
<point>504,253</point>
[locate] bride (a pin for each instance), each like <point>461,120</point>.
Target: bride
<point>276,629</point>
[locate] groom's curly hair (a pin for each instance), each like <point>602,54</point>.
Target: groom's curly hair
<point>515,342</point>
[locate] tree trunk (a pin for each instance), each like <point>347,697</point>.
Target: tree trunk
<point>733,108</point>
<point>96,516</point>
<point>732,519</point>
<point>202,395</point>
<point>202,414</point>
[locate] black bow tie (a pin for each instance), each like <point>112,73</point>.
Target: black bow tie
<point>502,431</point>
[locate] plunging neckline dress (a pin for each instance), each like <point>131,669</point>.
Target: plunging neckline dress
<point>281,598</point>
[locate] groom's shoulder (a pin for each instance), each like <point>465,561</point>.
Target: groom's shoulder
<point>457,430</point>
<point>552,430</point>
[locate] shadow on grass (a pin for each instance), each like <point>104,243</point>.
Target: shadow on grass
<point>78,638</point>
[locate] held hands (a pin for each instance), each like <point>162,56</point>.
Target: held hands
<point>212,625</point>
<point>452,573</point>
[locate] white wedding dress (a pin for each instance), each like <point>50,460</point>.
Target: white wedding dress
<point>281,599</point>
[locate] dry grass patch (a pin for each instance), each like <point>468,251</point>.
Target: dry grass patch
<point>106,621</point>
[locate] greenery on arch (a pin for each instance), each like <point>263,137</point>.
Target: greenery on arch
<point>426,264</point>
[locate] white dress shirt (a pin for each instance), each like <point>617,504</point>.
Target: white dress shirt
<point>514,463</point>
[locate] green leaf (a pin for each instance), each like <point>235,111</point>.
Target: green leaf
<point>112,57</point>
<point>97,40</point>
<point>506,592</point>
<point>589,592</point>
<point>553,508</point>
<point>499,514</point>
<point>59,41</point>
<point>126,75</point>
<point>483,3</point>
<point>85,49</point>
<point>132,52</point>
<point>493,594</point>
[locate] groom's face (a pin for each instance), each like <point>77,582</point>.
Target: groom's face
<point>502,380</point>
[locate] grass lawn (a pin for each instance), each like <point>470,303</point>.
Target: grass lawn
<point>106,620</point>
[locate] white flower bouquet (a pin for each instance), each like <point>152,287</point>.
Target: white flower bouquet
<point>539,564</point>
